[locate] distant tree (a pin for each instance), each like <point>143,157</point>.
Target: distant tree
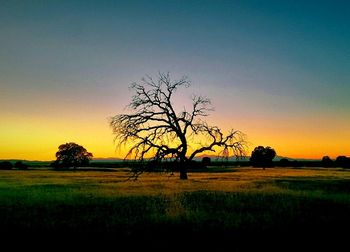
<point>284,162</point>
<point>262,156</point>
<point>296,163</point>
<point>327,161</point>
<point>21,166</point>
<point>154,129</point>
<point>206,161</point>
<point>6,165</point>
<point>342,161</point>
<point>71,155</point>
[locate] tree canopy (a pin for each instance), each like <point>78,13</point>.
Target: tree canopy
<point>343,161</point>
<point>327,161</point>
<point>72,155</point>
<point>155,130</point>
<point>262,156</point>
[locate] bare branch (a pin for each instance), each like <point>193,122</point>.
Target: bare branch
<point>157,131</point>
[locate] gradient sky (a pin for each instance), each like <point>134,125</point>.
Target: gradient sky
<point>277,70</point>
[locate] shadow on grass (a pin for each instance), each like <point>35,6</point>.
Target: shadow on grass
<point>330,186</point>
<point>213,169</point>
<point>197,219</point>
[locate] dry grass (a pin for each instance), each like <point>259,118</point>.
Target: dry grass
<point>116,183</point>
<point>232,203</point>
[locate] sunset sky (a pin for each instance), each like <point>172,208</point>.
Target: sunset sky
<point>277,70</point>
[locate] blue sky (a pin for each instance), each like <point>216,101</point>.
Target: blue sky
<point>259,61</point>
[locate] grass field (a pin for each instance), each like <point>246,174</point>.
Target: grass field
<point>221,205</point>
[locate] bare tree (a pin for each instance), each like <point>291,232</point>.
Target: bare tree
<point>156,130</point>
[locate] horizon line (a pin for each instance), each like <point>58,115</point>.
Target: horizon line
<point>122,159</point>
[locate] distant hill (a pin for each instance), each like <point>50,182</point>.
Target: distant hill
<point>32,163</point>
<point>246,158</point>
<point>277,158</point>
<point>216,158</point>
<point>112,159</point>
<point>108,159</point>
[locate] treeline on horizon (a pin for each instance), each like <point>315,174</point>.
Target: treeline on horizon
<point>326,162</point>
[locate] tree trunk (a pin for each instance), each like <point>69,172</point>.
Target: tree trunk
<point>183,169</point>
<point>183,172</point>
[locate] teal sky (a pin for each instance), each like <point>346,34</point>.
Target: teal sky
<point>284,63</point>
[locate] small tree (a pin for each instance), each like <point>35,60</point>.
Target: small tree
<point>21,166</point>
<point>72,155</point>
<point>262,156</point>
<point>154,129</point>
<point>206,161</point>
<point>342,161</point>
<point>327,161</point>
<point>284,162</point>
<point>5,165</point>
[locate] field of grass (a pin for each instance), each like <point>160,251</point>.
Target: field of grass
<point>222,205</point>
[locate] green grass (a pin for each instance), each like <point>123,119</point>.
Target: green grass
<point>238,204</point>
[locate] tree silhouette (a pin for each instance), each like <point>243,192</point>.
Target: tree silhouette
<point>72,155</point>
<point>262,156</point>
<point>20,165</point>
<point>284,162</point>
<point>327,161</point>
<point>206,161</point>
<point>342,161</point>
<point>5,165</point>
<point>156,130</point>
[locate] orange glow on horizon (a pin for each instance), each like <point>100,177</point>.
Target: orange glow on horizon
<point>35,140</point>
<point>37,137</point>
